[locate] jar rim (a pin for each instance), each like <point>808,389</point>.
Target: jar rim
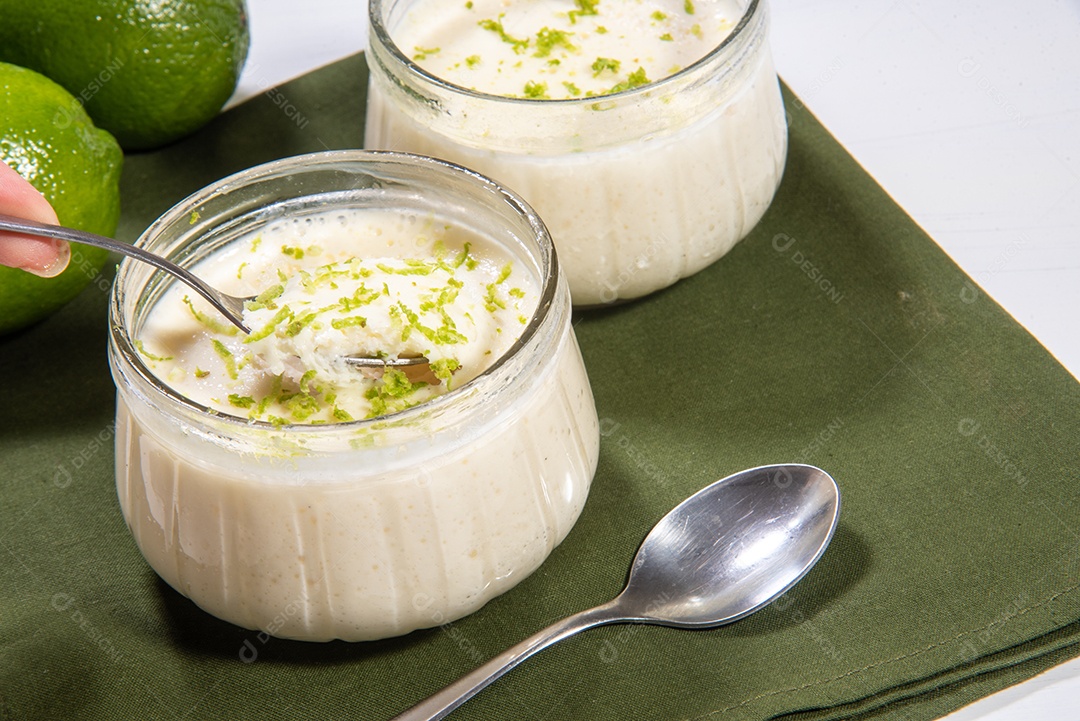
<point>375,23</point>
<point>123,342</point>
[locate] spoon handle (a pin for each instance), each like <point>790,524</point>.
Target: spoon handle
<point>443,702</point>
<point>232,308</point>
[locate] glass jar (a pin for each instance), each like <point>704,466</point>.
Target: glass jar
<point>639,188</point>
<point>372,528</point>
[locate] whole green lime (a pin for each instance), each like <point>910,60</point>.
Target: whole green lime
<point>47,137</point>
<point>147,71</point>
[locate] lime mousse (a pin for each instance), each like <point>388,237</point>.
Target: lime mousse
<point>648,134</point>
<point>367,283</point>
<point>545,49</point>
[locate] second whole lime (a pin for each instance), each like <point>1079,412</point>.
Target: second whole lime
<point>147,71</point>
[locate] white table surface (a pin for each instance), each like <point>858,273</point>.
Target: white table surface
<point>967,113</point>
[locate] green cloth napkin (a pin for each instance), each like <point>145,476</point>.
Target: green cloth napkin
<point>837,334</point>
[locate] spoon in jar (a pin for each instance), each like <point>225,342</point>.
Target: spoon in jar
<point>230,306</point>
<point>727,551</point>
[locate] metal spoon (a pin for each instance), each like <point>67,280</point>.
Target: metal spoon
<point>230,306</point>
<point>720,555</point>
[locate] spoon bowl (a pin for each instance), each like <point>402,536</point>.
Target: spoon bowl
<point>733,547</point>
<point>723,553</point>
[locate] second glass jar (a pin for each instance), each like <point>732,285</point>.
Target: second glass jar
<point>638,188</point>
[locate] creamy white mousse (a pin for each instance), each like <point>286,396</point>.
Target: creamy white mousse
<point>364,530</point>
<point>647,154</point>
<point>370,283</point>
<point>555,49</point>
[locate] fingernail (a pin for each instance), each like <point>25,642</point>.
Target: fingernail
<point>55,268</point>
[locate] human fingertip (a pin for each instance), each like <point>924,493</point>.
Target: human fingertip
<point>43,257</point>
<point>57,265</point>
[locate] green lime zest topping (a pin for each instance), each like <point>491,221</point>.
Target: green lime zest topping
<point>659,17</point>
<point>601,30</point>
<point>298,405</point>
<point>688,6</point>
<point>361,296</point>
<point>412,267</point>
<point>496,26</point>
<point>696,31</point>
<point>301,406</point>
<point>194,217</point>
<point>548,39</point>
<point>536,91</point>
<point>571,88</point>
<point>601,64</point>
<point>504,273</point>
<point>397,385</point>
<point>255,243</point>
<point>491,299</point>
<point>298,324</point>
<point>423,53</point>
<point>391,395</point>
<point>241,401</point>
<point>585,7</point>
<point>446,334</point>
<point>200,373</point>
<point>472,61</point>
<point>226,355</point>
<point>465,258</point>
<point>444,368</point>
<point>666,37</point>
<point>240,271</point>
<point>211,324</point>
<point>636,80</point>
<point>294,252</point>
<point>426,322</point>
<point>283,314</point>
<point>446,296</point>
<point>148,355</point>
<point>468,5</point>
<point>266,298</point>
<point>350,322</point>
